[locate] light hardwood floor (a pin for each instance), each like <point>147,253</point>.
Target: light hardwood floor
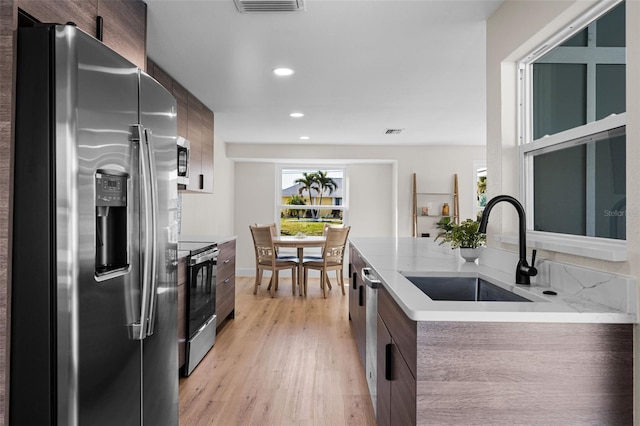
<point>289,360</point>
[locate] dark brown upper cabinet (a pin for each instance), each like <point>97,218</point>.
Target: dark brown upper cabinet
<point>125,28</point>
<point>195,123</point>
<point>124,22</point>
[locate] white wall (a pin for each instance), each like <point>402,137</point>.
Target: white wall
<point>370,195</point>
<point>255,185</point>
<point>379,184</point>
<point>212,214</point>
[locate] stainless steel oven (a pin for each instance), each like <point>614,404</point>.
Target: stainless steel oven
<point>201,302</point>
<point>183,161</point>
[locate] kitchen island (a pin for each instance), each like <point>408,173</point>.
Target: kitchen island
<point>558,359</point>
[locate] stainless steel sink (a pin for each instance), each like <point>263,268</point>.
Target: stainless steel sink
<point>467,289</point>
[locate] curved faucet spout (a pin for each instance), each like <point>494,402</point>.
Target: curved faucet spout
<point>523,270</point>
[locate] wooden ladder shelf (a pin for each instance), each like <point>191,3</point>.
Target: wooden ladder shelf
<point>455,214</point>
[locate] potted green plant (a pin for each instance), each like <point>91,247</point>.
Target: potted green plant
<point>464,236</point>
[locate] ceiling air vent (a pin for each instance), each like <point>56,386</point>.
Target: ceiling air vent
<point>265,6</point>
<point>393,131</point>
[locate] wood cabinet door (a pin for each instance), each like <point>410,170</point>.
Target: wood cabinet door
<point>82,13</point>
<point>160,75</point>
<point>125,28</point>
<point>396,386</point>
<point>361,335</point>
<point>182,100</point>
<point>351,285</point>
<point>226,263</point>
<point>226,281</point>
<point>383,384</point>
<point>353,297</point>
<point>225,298</point>
<point>194,134</point>
<point>124,22</point>
<point>403,390</point>
<point>357,289</point>
<point>195,123</point>
<point>403,330</point>
<point>354,309</point>
<point>207,150</point>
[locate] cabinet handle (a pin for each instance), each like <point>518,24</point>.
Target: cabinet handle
<point>99,27</point>
<point>361,296</point>
<point>355,280</point>
<point>227,261</point>
<point>388,353</point>
<point>227,280</point>
<point>201,181</point>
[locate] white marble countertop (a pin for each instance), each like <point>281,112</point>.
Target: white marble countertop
<point>391,257</point>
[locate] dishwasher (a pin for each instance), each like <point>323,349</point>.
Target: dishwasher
<point>371,290</point>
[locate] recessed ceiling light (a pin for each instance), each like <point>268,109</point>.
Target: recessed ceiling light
<point>283,72</point>
<point>304,138</point>
<point>296,114</point>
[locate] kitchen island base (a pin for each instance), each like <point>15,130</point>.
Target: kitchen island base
<point>507,373</point>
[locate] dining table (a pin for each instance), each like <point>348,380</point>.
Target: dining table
<point>300,242</point>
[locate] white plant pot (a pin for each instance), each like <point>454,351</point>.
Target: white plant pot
<point>470,254</point>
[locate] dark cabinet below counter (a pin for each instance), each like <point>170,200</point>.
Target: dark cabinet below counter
<point>357,302</point>
<point>396,364</point>
<point>226,282</point>
<point>505,372</point>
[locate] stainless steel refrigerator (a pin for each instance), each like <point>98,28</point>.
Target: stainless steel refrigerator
<point>94,302</point>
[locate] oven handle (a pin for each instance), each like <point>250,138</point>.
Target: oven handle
<point>202,259</point>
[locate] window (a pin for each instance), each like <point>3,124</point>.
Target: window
<point>310,198</point>
<point>480,188</point>
<point>572,128</point>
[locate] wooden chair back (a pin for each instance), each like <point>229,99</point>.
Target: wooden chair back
<point>274,232</point>
<point>335,244</point>
<point>274,228</point>
<point>327,226</point>
<point>263,243</point>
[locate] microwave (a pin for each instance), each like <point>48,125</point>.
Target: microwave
<point>183,161</point>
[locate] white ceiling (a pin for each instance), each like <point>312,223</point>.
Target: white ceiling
<point>361,67</point>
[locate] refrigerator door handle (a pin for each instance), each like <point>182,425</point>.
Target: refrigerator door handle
<point>153,297</point>
<point>139,329</point>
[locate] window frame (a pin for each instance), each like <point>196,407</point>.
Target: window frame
<point>310,168</point>
<point>599,247</point>
<point>478,165</point>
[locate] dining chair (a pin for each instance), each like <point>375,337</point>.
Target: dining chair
<point>267,259</point>
<point>332,259</point>
<point>315,257</point>
<point>274,233</point>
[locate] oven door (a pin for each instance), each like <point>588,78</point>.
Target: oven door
<point>201,313</point>
<point>202,295</point>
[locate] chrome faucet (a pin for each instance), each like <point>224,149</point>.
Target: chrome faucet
<point>523,270</point>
